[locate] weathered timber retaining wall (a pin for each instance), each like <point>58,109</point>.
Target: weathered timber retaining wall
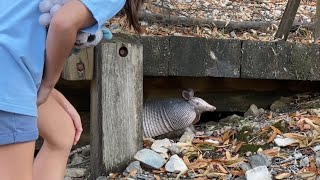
<point>202,57</point>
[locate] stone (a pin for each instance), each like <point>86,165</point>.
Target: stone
<point>175,149</point>
<point>282,142</point>
<point>253,111</point>
<point>75,172</point>
<point>233,118</point>
<point>161,146</point>
<point>245,167</point>
<point>67,178</point>
<point>135,165</point>
<point>318,162</point>
<point>304,162</point>
<point>259,160</point>
<point>281,104</point>
<point>260,172</point>
<point>187,137</point>
<point>77,158</point>
<point>102,178</point>
<point>175,164</point>
<point>150,158</point>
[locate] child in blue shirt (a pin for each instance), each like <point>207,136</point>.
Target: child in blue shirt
<point>31,63</point>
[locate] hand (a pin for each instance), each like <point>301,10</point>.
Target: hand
<point>72,112</point>
<point>43,93</point>
<point>76,122</point>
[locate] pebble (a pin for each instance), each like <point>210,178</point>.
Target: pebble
<point>75,172</point>
<point>175,149</point>
<point>253,111</point>
<point>161,146</point>
<point>318,162</point>
<point>282,142</point>
<point>245,166</point>
<point>260,172</point>
<point>135,165</point>
<point>187,137</point>
<point>259,160</point>
<point>102,178</point>
<point>304,162</point>
<point>175,164</point>
<point>150,158</point>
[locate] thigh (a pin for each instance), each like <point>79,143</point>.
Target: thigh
<point>55,125</point>
<point>16,161</point>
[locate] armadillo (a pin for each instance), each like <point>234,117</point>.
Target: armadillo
<point>171,114</point>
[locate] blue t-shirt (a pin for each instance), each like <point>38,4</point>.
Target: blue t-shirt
<point>22,49</point>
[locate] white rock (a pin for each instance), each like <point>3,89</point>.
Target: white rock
<point>150,158</point>
<point>75,172</point>
<point>282,142</point>
<point>187,137</point>
<point>161,146</point>
<point>175,164</point>
<point>258,173</point>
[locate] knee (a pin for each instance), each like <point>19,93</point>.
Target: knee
<point>62,140</point>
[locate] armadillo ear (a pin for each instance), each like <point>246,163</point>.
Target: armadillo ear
<point>187,94</point>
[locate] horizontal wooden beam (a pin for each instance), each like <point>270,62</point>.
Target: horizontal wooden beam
<point>203,57</point>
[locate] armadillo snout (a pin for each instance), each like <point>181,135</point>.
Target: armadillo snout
<point>201,105</point>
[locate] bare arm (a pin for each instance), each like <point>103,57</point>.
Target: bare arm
<point>64,26</point>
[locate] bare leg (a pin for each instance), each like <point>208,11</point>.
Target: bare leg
<point>57,130</point>
<point>16,161</point>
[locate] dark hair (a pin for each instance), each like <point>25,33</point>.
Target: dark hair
<point>131,9</point>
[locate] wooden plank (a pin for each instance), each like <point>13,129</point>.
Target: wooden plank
<point>223,58</point>
<point>155,55</point>
<point>287,19</point>
<point>258,60</point>
<point>116,106</point>
<point>79,66</point>
<point>190,56</point>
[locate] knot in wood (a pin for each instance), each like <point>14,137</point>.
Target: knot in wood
<point>80,66</point>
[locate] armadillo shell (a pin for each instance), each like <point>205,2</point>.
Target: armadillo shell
<point>163,116</point>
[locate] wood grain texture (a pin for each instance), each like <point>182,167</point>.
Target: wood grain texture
<point>116,107</point>
<point>287,19</point>
<point>79,66</point>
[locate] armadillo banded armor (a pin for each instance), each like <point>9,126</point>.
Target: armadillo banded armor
<point>163,116</point>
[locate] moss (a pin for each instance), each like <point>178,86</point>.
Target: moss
<point>206,147</point>
<point>244,134</point>
<point>252,148</point>
<point>282,126</point>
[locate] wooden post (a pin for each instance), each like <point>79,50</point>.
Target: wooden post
<point>317,23</point>
<point>79,66</point>
<point>116,106</point>
<point>287,19</point>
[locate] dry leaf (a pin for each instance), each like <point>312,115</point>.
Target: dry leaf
<point>186,161</point>
<point>295,136</point>
<point>133,172</point>
<point>114,176</point>
<point>238,146</point>
<point>276,130</point>
<point>272,137</point>
<point>237,173</point>
<point>228,155</point>
<point>225,136</point>
<point>306,174</point>
<point>283,175</point>
<point>156,177</point>
<point>215,175</point>
<point>271,152</point>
